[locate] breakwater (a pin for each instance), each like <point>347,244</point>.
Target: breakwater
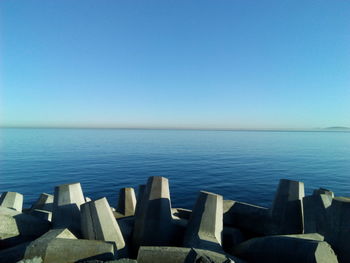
<point>70,227</point>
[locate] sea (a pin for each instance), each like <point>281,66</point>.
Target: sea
<point>244,166</point>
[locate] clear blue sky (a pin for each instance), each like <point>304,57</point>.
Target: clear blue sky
<point>184,64</point>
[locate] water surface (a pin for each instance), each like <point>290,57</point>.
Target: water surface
<point>240,165</point>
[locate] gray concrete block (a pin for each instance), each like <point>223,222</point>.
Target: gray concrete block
<point>251,218</point>
<point>66,208</point>
<point>338,230</point>
<point>44,202</point>
<point>13,254</point>
<point>16,227</point>
<point>98,223</point>
<point>126,225</point>
<point>61,246</point>
<point>42,214</point>
<point>153,220</point>
<point>12,200</point>
<point>287,210</point>
<point>72,250</point>
<point>181,255</point>
<point>286,249</point>
<point>231,237</point>
<point>181,213</point>
<point>316,217</point>
<point>206,223</point>
<point>38,247</point>
<point>140,199</point>
<point>33,260</point>
<point>323,191</point>
<point>126,202</point>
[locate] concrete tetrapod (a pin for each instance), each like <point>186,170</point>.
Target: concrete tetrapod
<point>66,208</point>
<point>126,202</point>
<point>153,220</point>
<point>337,231</point>
<point>16,227</point>
<point>98,223</point>
<point>286,249</point>
<point>323,191</point>
<point>61,246</point>
<point>149,254</point>
<point>206,223</point>
<point>287,210</point>
<point>251,218</point>
<point>44,202</point>
<point>12,200</point>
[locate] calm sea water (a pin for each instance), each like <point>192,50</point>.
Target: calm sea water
<point>240,165</point>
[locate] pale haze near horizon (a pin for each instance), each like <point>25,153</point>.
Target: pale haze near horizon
<point>175,64</point>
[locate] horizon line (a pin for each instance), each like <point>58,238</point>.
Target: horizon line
<point>333,128</point>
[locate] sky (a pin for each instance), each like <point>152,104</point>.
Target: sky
<point>220,64</point>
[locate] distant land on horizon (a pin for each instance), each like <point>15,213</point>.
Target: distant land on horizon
<point>331,128</point>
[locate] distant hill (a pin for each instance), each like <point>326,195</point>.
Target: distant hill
<point>338,128</point>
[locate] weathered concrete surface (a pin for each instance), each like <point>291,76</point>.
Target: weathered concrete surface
<point>33,260</point>
<point>181,255</point>
<point>61,246</point>
<point>16,227</point>
<point>153,220</point>
<point>38,247</point>
<point>126,202</point>
<point>251,218</point>
<point>12,200</point>
<point>98,223</point>
<point>323,191</point>
<point>66,208</point>
<point>44,202</point>
<point>206,223</point>
<point>287,209</point>
<point>42,214</point>
<point>286,249</point>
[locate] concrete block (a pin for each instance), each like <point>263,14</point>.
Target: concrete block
<point>181,213</point>
<point>231,237</point>
<point>44,202</point>
<point>286,249</point>
<point>13,254</point>
<point>66,208</point>
<point>61,246</point>
<point>206,223</point>
<point>43,214</point>
<point>98,223</point>
<point>337,231</point>
<point>153,219</point>
<point>140,199</point>
<point>64,248</point>
<point>250,218</point>
<point>16,227</point>
<point>287,210</point>
<point>12,200</point>
<point>315,213</point>
<point>38,247</point>
<point>323,191</point>
<point>33,260</point>
<point>126,202</point>
<point>181,255</point>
